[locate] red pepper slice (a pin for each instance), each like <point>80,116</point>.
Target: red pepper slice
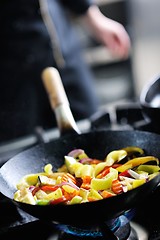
<point>35,189</point>
<point>104,172</point>
<point>115,165</point>
<point>45,188</point>
<point>48,188</point>
<point>124,174</point>
<point>62,199</point>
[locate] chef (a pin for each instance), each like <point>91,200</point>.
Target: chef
<point>38,34</point>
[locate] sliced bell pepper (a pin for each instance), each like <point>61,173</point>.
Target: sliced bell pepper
<point>76,199</point>
<point>115,156</point>
<point>69,189</point>
<point>84,194</point>
<point>99,168</point>
<point>136,162</point>
<point>138,182</point>
<point>28,180</point>
<point>70,195</point>
<point>104,172</point>
<point>125,174</point>
<point>148,168</point>
<point>93,194</point>
<point>86,170</point>
<point>61,199</point>
<point>104,183</point>
<point>54,195</point>
<point>48,188</point>
<point>151,176</point>
<point>134,150</point>
<point>34,190</point>
<point>42,202</point>
<point>48,168</point>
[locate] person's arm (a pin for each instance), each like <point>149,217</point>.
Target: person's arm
<point>110,33</point>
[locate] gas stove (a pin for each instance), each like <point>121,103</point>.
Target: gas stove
<point>141,223</point>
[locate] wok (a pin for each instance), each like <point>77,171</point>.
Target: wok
<point>150,100</point>
<point>96,144</point>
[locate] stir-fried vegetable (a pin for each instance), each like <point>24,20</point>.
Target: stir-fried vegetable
<point>84,179</point>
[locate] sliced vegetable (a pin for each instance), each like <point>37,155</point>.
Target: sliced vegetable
<point>43,202</point>
<point>103,183</point>
<point>84,194</point>
<point>75,153</point>
<point>107,194</point>
<point>136,162</point>
<point>138,182</point>
<point>94,195</point>
<point>48,188</point>
<point>117,187</point>
<point>48,168</point>
<point>148,168</point>
<point>54,195</point>
<point>69,161</point>
<point>86,184</point>
<point>134,174</point>
<point>104,172</point>
<point>44,180</point>
<point>99,168</point>
<point>86,170</point>
<point>133,151</point>
<point>67,177</point>
<point>59,200</point>
<point>125,174</point>
<point>76,199</point>
<point>83,179</point>
<point>115,156</point>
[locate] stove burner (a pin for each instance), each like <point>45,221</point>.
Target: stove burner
<point>118,228</point>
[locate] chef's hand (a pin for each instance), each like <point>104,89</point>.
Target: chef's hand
<point>107,31</point>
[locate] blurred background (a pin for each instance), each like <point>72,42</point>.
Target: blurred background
<point>117,79</point>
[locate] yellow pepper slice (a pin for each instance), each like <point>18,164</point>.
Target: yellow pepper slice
<point>133,149</point>
<point>148,168</point>
<point>76,200</point>
<point>104,183</point>
<point>115,156</point>
<point>94,194</point>
<point>138,182</point>
<point>136,162</point>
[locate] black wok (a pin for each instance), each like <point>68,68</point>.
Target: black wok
<point>150,100</point>
<point>96,144</point>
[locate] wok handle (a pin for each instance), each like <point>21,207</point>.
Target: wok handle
<point>59,101</point>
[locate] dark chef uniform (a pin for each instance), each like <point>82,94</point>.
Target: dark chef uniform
<point>34,35</point>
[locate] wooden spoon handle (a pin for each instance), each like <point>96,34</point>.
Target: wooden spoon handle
<point>54,87</point>
<point>58,100</point>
